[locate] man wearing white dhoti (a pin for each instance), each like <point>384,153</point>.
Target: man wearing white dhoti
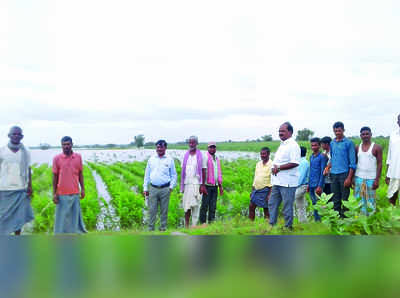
<point>191,181</point>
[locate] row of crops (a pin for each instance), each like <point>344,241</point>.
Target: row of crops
<point>125,184</point>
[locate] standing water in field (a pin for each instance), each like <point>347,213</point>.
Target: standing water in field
<point>130,155</point>
<point>108,220</point>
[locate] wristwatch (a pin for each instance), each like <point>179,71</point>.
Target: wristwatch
<point>279,168</point>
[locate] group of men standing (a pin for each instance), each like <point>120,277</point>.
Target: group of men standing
<point>201,181</point>
<point>16,187</point>
<point>340,166</point>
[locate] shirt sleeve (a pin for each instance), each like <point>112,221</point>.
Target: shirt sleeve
<point>389,155</point>
<point>29,158</point>
<point>324,161</point>
<point>56,168</point>
<point>295,154</point>
<point>146,177</point>
<point>303,172</point>
<point>173,174</point>
<point>254,179</point>
<point>352,156</point>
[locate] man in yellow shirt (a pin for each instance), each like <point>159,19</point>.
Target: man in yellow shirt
<point>261,185</point>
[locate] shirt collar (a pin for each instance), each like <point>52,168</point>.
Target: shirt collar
<point>286,141</point>
<point>342,140</point>
<point>66,156</point>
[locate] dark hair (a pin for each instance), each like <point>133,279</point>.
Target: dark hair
<point>162,143</point>
<point>289,126</point>
<point>326,140</point>
<point>266,149</point>
<point>303,151</point>
<point>365,128</point>
<point>338,125</point>
<point>66,139</point>
<point>315,140</point>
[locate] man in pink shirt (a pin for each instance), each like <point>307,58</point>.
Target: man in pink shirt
<point>67,177</point>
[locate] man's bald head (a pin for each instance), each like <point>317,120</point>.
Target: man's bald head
<point>15,128</point>
<point>15,135</point>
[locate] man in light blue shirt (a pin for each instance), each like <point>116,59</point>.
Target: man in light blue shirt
<point>159,181</point>
<point>304,170</point>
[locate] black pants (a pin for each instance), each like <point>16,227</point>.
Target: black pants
<point>209,204</point>
<point>328,188</point>
<point>340,193</point>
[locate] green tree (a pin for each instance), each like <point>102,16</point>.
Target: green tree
<point>139,141</point>
<point>304,134</point>
<point>267,138</point>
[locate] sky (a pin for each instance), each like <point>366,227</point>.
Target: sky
<point>105,71</point>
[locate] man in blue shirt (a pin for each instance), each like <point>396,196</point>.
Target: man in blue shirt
<point>161,175</point>
<point>301,203</point>
<point>342,167</point>
<point>318,163</point>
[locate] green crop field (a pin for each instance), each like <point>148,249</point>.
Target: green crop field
<point>124,183</point>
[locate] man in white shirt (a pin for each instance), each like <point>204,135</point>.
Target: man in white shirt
<point>192,182</point>
<point>285,176</point>
<point>15,184</point>
<point>393,166</point>
<point>161,175</point>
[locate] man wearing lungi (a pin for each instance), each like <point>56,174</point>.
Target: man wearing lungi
<point>368,172</point>
<point>15,184</point>
<point>212,181</point>
<point>191,182</point>
<point>261,185</point>
<point>67,177</point>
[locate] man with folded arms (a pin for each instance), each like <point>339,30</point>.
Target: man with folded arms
<point>159,181</point>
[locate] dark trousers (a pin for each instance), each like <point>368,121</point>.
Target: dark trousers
<point>340,193</point>
<point>328,188</point>
<point>209,204</point>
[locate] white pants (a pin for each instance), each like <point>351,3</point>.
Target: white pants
<point>191,201</point>
<point>394,186</point>
<point>195,215</point>
<point>301,203</point>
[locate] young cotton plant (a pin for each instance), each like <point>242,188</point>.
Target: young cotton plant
<point>329,216</point>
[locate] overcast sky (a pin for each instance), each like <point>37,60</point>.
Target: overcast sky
<point>105,71</point>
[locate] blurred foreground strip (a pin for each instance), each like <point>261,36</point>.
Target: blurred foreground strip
<point>227,266</point>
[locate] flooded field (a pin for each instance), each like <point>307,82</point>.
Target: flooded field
<point>112,156</point>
